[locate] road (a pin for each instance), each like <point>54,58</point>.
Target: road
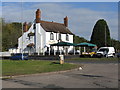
<point>92,75</point>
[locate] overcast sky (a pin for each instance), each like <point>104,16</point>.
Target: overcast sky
<point>82,15</point>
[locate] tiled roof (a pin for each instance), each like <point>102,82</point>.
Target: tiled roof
<point>55,27</point>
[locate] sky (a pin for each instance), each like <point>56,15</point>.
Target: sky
<point>82,16</point>
<point>60,0</point>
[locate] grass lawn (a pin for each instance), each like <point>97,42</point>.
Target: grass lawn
<point>19,67</point>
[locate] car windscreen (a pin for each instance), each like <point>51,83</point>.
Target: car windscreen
<point>103,49</point>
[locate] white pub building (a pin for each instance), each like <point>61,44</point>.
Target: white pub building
<point>41,34</point>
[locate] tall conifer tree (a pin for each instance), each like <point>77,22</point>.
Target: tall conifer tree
<point>101,34</point>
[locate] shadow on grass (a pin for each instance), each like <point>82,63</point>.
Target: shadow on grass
<point>55,63</point>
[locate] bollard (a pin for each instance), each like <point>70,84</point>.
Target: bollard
<point>61,59</point>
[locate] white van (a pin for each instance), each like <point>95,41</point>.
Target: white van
<point>106,52</point>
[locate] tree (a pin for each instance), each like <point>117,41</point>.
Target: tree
<point>77,39</point>
<point>10,34</point>
<point>101,34</point>
<point>116,44</point>
<point>1,34</point>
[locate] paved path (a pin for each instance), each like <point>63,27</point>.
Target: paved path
<point>91,76</point>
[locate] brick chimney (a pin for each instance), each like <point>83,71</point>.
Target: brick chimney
<point>38,15</point>
<point>66,21</point>
<point>25,27</point>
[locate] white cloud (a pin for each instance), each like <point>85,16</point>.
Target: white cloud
<point>81,20</point>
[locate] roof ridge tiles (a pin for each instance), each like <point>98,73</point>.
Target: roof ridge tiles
<point>41,21</point>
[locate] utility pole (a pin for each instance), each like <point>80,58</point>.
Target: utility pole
<point>22,26</point>
<point>105,36</point>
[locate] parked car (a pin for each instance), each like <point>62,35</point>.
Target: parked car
<point>106,52</point>
<point>118,55</point>
<point>90,53</point>
<point>18,56</point>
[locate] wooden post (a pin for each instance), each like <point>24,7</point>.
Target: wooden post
<point>80,50</point>
<point>84,49</point>
<point>67,50</point>
<point>38,50</point>
<point>74,50</point>
<point>60,52</point>
<point>43,51</point>
<point>53,50</point>
<point>49,50</point>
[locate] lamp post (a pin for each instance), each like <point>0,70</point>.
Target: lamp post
<point>22,26</point>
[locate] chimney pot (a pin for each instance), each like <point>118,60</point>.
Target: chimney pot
<point>66,21</point>
<point>25,27</point>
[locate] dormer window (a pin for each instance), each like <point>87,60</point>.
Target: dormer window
<point>67,37</point>
<point>31,34</point>
<point>51,36</point>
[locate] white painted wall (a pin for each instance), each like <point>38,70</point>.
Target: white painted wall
<point>56,37</point>
<point>41,40</point>
<point>23,44</point>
